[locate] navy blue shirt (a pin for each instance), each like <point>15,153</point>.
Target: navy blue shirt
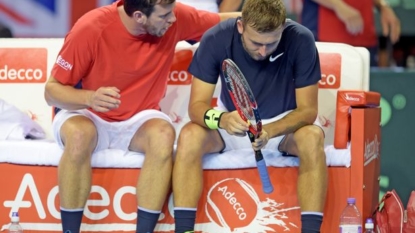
<point>273,82</point>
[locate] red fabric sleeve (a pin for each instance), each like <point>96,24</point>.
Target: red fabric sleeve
<point>76,55</point>
<point>193,23</point>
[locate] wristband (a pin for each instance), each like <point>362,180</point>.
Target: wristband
<point>212,118</point>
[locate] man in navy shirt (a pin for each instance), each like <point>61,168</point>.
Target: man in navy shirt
<point>280,62</point>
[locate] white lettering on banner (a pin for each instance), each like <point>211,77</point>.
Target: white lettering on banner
<point>371,150</point>
<point>329,80</point>
<point>271,211</point>
<point>64,64</point>
<point>17,203</point>
<point>105,201</point>
<point>234,202</point>
<point>352,98</point>
<point>20,74</point>
<point>28,184</point>
<point>178,76</point>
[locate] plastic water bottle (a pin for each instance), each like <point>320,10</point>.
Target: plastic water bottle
<point>350,219</point>
<point>14,225</point>
<point>369,226</point>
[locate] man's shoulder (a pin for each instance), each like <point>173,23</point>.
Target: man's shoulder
<point>295,33</point>
<point>95,21</point>
<point>224,29</point>
<point>292,26</point>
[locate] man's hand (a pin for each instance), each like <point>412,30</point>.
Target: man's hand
<point>391,25</point>
<point>261,141</point>
<point>350,17</point>
<point>105,99</point>
<point>233,124</point>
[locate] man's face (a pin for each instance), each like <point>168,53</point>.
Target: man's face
<point>160,19</point>
<point>259,45</point>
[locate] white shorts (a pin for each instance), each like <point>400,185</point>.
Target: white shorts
<point>111,135</point>
<point>233,142</point>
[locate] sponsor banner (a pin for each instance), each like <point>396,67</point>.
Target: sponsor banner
<point>178,72</point>
<point>232,201</point>
<point>367,138</point>
<point>330,70</point>
<point>23,65</point>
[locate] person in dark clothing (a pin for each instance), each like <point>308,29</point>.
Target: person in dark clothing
<point>5,32</point>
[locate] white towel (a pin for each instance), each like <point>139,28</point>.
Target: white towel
<point>48,153</point>
<point>16,125</point>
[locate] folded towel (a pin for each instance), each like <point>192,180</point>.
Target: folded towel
<point>48,153</point>
<point>16,125</point>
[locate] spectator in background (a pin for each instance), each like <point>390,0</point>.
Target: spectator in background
<point>351,22</point>
<point>5,32</point>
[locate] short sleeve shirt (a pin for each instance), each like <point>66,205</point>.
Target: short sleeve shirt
<point>294,64</point>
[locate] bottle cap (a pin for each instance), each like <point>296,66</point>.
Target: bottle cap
<point>369,224</point>
<point>351,200</point>
<point>15,217</point>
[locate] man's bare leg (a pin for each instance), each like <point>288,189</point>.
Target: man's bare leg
<point>194,142</point>
<point>308,144</point>
<point>74,171</point>
<point>155,138</point>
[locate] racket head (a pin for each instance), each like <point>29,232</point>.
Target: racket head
<point>241,95</point>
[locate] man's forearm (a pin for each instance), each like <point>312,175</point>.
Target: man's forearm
<point>331,4</point>
<point>66,97</point>
<point>230,5</point>
<point>226,15</point>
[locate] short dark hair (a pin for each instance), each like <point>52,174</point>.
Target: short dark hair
<point>145,6</point>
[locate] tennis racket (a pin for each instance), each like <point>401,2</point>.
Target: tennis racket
<point>246,105</point>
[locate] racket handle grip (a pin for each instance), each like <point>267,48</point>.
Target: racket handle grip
<point>263,174</point>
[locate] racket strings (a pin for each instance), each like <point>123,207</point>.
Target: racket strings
<point>242,97</point>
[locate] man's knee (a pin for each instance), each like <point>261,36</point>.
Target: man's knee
<point>195,139</point>
<point>190,133</point>
<point>310,143</point>
<point>79,135</point>
<point>165,132</point>
<point>309,136</point>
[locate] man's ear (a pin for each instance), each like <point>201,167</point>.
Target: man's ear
<point>240,26</point>
<point>139,17</point>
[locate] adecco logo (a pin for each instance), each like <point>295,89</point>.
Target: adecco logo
<point>23,65</point>
<point>330,70</point>
<point>233,203</point>
<point>178,72</point>
<point>233,197</point>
